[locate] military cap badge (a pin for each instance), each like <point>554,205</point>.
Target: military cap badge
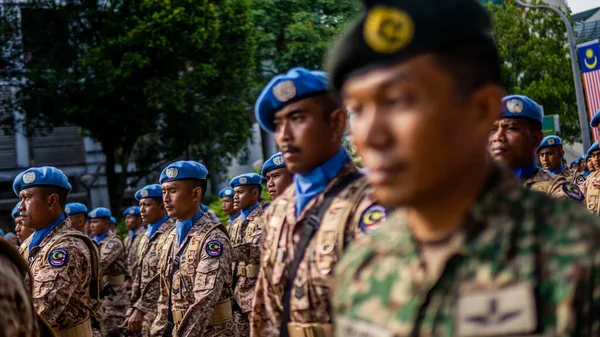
<point>227,192</point>
<point>278,160</point>
<point>67,210</point>
<point>551,141</point>
<point>387,30</point>
<point>172,172</point>
<point>29,177</point>
<point>514,106</point>
<point>131,211</point>
<point>243,180</point>
<point>93,214</point>
<point>284,91</point>
<point>144,193</point>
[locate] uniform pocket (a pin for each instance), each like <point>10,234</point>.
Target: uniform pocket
<point>207,274</point>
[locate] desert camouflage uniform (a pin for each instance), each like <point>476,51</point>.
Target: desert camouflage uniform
<point>523,264</point>
<point>131,249</point>
<point>112,260</point>
<point>62,269</point>
<point>201,287</point>
<point>555,186</point>
<point>592,193</point>
<point>245,238</point>
<point>146,287</point>
<point>351,214</point>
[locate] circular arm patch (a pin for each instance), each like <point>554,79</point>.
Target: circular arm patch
<point>214,248</point>
<point>58,257</point>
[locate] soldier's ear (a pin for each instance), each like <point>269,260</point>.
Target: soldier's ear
<point>338,121</point>
<point>197,193</point>
<point>53,200</point>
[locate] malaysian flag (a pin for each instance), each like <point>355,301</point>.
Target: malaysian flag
<point>589,58</point>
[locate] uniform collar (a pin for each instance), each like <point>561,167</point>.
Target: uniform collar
<point>183,227</point>
<point>310,184</point>
<point>101,237</point>
<point>40,234</point>
<point>526,171</point>
<point>246,212</point>
<point>558,170</point>
<point>232,219</point>
<point>153,227</point>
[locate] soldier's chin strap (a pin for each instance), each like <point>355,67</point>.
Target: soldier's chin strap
<point>312,223</point>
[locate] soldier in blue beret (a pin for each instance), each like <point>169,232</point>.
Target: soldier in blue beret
<point>421,78</point>
<point>112,224</point>
<point>308,124</point>
<point>114,271</point>
<point>77,213</point>
<point>592,183</point>
<point>195,294</point>
<point>514,138</point>
<point>226,196</point>
<point>21,231</point>
<point>135,233</point>
<point>582,163</point>
<point>245,233</point>
<point>551,156</point>
<point>146,287</point>
<point>62,260</point>
<point>277,175</point>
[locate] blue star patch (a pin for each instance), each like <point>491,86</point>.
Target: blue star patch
<point>214,248</point>
<point>573,192</point>
<point>58,257</point>
<point>372,217</point>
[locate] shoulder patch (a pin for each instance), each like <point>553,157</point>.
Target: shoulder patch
<point>58,257</point>
<point>580,179</point>
<point>573,192</point>
<point>372,217</point>
<point>110,245</point>
<point>214,248</point>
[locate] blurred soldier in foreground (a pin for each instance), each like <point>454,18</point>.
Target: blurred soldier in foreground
<point>77,213</point>
<point>277,175</point>
<point>469,251</point>
<point>226,196</point>
<point>63,261</point>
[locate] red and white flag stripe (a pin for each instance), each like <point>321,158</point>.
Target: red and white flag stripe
<point>591,82</point>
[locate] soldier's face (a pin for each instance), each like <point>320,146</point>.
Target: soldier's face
<point>78,221</point>
<point>227,205</point>
<point>35,207</point>
<point>151,210</point>
<point>277,181</point>
<point>512,141</point>
<point>590,165</point>
<point>551,157</point>
<point>307,134</point>
<point>99,226</point>
<point>245,197</point>
<point>21,231</point>
<point>414,132</point>
<point>595,156</point>
<point>582,165</point>
<point>132,221</point>
<point>181,200</point>
<point>88,228</point>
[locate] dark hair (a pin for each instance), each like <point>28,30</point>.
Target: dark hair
<point>61,192</point>
<point>534,126</point>
<point>259,188</point>
<point>471,66</point>
<point>202,183</point>
<point>328,103</point>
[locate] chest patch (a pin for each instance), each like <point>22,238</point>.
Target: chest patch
<point>372,217</point>
<point>214,248</point>
<point>58,257</point>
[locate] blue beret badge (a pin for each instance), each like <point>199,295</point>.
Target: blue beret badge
<point>58,257</point>
<point>284,91</point>
<point>172,172</point>
<point>514,106</point>
<point>29,177</point>
<point>214,248</point>
<point>372,217</point>
<point>573,191</point>
<point>580,179</point>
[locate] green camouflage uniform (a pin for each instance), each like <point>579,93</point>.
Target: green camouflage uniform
<point>524,264</point>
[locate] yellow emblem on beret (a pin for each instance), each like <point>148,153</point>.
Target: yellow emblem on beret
<point>551,141</point>
<point>278,160</point>
<point>284,91</point>
<point>144,193</point>
<point>387,30</point>
<point>29,177</point>
<point>172,172</point>
<point>514,106</point>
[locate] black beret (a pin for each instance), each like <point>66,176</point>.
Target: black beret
<point>391,31</point>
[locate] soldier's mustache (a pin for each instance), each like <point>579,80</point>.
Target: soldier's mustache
<point>290,149</point>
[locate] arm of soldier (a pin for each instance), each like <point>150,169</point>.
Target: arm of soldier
<point>212,274</point>
<point>594,315</point>
<point>63,271</point>
<point>162,306</point>
<point>18,315</point>
<point>366,217</point>
<point>110,253</point>
<point>150,295</point>
<point>563,190</point>
<point>248,251</point>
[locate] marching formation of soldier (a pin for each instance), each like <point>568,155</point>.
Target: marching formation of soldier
<point>464,222</point>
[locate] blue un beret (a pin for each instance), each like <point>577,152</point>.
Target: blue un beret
<point>595,120</point>
<point>592,148</point>
<point>275,162</point>
<point>41,176</point>
<point>182,170</point>
<point>15,212</point>
<point>113,220</point>
<point>100,212</point>
<point>246,179</point>
<point>133,210</point>
<point>75,208</point>
<point>226,192</point>
<point>550,141</point>
<point>150,191</point>
<point>518,106</point>
<point>296,84</point>
<point>575,161</point>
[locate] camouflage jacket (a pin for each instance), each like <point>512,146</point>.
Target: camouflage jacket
<point>202,280</point>
<point>352,213</point>
<point>556,186</point>
<point>592,193</point>
<point>528,264</point>
<point>112,256</point>
<point>245,238</point>
<point>131,249</point>
<point>61,276</point>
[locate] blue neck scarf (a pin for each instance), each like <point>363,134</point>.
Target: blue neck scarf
<point>152,228</point>
<point>40,234</point>
<point>525,172</point>
<point>232,219</point>
<point>183,227</point>
<point>558,170</point>
<point>586,173</point>
<point>246,212</point>
<point>309,185</point>
<point>132,234</point>
<point>101,237</point>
